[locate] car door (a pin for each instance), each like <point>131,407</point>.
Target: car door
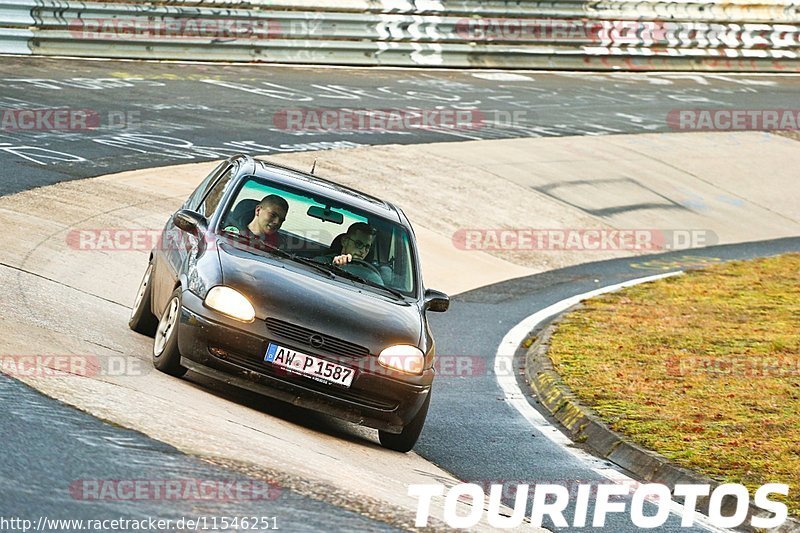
<point>175,245</point>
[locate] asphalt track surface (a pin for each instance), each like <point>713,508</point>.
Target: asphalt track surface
<point>154,114</point>
<point>184,113</point>
<point>61,464</point>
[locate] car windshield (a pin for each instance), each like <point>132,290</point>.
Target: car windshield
<point>317,229</point>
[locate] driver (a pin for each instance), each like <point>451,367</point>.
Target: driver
<point>355,245</point>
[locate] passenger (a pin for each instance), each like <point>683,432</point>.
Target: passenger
<point>262,230</point>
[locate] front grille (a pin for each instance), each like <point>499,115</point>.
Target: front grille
<point>354,396</point>
<point>301,335</point>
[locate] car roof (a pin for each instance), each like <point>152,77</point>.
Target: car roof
<point>314,184</point>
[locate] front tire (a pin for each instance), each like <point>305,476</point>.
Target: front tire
<point>166,356</point>
<point>405,440</point>
<point>142,319</point>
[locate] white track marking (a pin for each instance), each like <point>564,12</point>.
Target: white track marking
<point>515,397</point>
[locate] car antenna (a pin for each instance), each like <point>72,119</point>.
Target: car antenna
<point>314,166</point>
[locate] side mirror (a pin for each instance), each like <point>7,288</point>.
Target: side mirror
<point>436,301</point>
<point>190,221</point>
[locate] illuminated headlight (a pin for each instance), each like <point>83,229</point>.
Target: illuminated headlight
<point>403,357</point>
<point>230,302</point>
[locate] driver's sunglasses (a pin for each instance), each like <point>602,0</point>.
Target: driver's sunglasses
<point>361,245</point>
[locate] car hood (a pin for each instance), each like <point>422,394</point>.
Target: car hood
<point>280,288</point>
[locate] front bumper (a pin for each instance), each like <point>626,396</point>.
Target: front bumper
<point>215,346</point>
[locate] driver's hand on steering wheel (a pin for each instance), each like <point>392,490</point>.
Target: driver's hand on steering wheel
<point>342,259</point>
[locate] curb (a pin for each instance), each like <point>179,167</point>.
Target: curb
<point>585,427</point>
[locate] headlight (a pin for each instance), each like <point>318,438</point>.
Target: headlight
<point>230,302</point>
<point>403,357</point>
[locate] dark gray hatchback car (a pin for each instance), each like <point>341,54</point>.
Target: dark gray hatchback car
<point>273,312</point>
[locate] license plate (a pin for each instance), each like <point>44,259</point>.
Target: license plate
<point>307,365</point>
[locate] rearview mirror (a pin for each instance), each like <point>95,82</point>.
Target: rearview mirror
<point>189,221</point>
<point>436,301</point>
<point>325,214</point>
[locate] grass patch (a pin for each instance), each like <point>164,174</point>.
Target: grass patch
<point>702,368</point>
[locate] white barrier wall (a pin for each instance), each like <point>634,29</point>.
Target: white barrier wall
<point>597,35</point>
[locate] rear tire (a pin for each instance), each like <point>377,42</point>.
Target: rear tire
<point>142,319</point>
<point>405,441</point>
<point>166,356</point>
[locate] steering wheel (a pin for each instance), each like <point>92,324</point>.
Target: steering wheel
<point>363,269</point>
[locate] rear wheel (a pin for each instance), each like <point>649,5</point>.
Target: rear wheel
<point>405,440</point>
<point>166,356</point>
<point>142,319</point>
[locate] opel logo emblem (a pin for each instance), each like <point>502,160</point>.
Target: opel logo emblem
<point>316,341</point>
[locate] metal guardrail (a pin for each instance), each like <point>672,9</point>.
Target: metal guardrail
<point>562,34</point>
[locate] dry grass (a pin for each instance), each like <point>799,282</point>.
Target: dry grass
<point>702,368</point>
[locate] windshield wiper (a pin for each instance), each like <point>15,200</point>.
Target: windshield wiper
<point>356,277</point>
<point>292,257</point>
<point>301,260</point>
<point>310,263</point>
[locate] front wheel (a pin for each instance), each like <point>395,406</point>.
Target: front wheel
<point>405,440</point>
<point>166,356</point>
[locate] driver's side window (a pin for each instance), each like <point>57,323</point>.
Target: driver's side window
<point>194,200</point>
<point>214,196</point>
